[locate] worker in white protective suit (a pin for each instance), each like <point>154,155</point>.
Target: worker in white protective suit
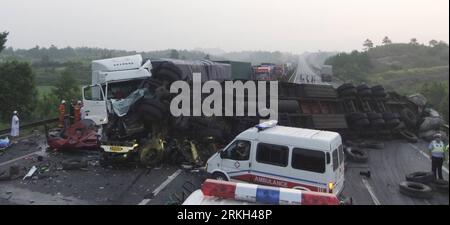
<point>14,125</point>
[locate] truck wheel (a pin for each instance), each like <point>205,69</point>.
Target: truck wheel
<point>345,87</point>
<point>167,75</point>
<point>357,116</point>
<point>219,176</point>
<point>364,90</point>
<point>409,136</point>
<point>393,123</point>
<point>357,155</point>
<point>390,116</point>
<point>409,117</point>
<point>374,116</point>
<point>379,91</point>
<point>377,123</point>
<point>360,123</point>
<point>415,190</point>
<point>420,177</point>
<point>170,66</point>
<point>155,103</point>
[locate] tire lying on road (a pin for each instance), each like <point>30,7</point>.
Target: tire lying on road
<point>357,155</point>
<point>415,190</point>
<point>409,136</point>
<point>440,185</point>
<point>74,164</point>
<point>420,177</point>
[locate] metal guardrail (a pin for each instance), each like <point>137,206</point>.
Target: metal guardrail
<point>6,131</point>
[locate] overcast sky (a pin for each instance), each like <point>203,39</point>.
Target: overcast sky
<point>232,25</point>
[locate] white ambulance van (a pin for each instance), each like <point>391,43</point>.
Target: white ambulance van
<point>289,157</point>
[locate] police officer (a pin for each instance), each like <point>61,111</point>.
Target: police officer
<point>437,149</point>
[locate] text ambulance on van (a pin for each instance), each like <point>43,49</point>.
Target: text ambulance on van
<point>282,156</point>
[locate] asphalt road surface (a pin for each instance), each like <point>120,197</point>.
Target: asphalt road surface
<point>132,185</point>
<point>305,73</point>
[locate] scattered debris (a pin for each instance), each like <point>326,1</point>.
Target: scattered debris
<point>365,173</point>
<point>74,164</point>
<point>30,172</point>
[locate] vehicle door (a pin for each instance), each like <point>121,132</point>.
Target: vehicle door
<point>236,160</point>
<point>94,104</point>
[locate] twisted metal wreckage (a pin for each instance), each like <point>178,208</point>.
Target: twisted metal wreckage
<point>143,122</point>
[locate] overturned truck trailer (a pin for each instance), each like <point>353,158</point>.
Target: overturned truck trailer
<point>142,124</point>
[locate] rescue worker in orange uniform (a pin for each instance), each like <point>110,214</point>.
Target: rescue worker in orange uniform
<point>77,109</point>
<point>62,111</point>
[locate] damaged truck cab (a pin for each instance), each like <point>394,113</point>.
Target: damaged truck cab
<point>112,80</point>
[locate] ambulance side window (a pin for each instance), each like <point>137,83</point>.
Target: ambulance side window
<point>308,160</point>
<point>341,154</point>
<point>335,160</point>
<point>238,150</point>
<point>272,154</point>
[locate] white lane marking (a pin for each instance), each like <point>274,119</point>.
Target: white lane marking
<point>19,158</point>
<point>371,192</point>
<point>161,187</point>
<point>445,169</point>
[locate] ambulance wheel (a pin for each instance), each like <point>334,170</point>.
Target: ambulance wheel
<point>415,190</point>
<point>219,176</point>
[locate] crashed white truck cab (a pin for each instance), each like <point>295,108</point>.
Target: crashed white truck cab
<point>112,78</point>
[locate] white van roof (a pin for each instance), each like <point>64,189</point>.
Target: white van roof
<point>292,136</point>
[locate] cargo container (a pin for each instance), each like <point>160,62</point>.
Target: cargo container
<point>239,70</point>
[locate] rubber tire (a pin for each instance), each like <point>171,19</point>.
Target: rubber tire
<point>219,176</point>
<point>167,75</point>
<point>374,116</point>
<point>415,190</point>
<point>74,164</point>
<point>377,123</point>
<point>361,123</point>
<point>364,90</point>
<point>345,87</point>
<point>409,136</point>
<point>390,116</point>
<point>357,155</point>
<point>348,92</point>
<point>420,177</point>
<point>441,185</point>
<point>357,116</point>
<point>155,103</point>
<point>408,116</point>
<point>393,123</point>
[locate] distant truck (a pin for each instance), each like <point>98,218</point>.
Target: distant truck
<point>239,70</point>
<point>326,73</point>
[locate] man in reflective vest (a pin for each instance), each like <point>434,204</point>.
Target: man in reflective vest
<point>437,149</point>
